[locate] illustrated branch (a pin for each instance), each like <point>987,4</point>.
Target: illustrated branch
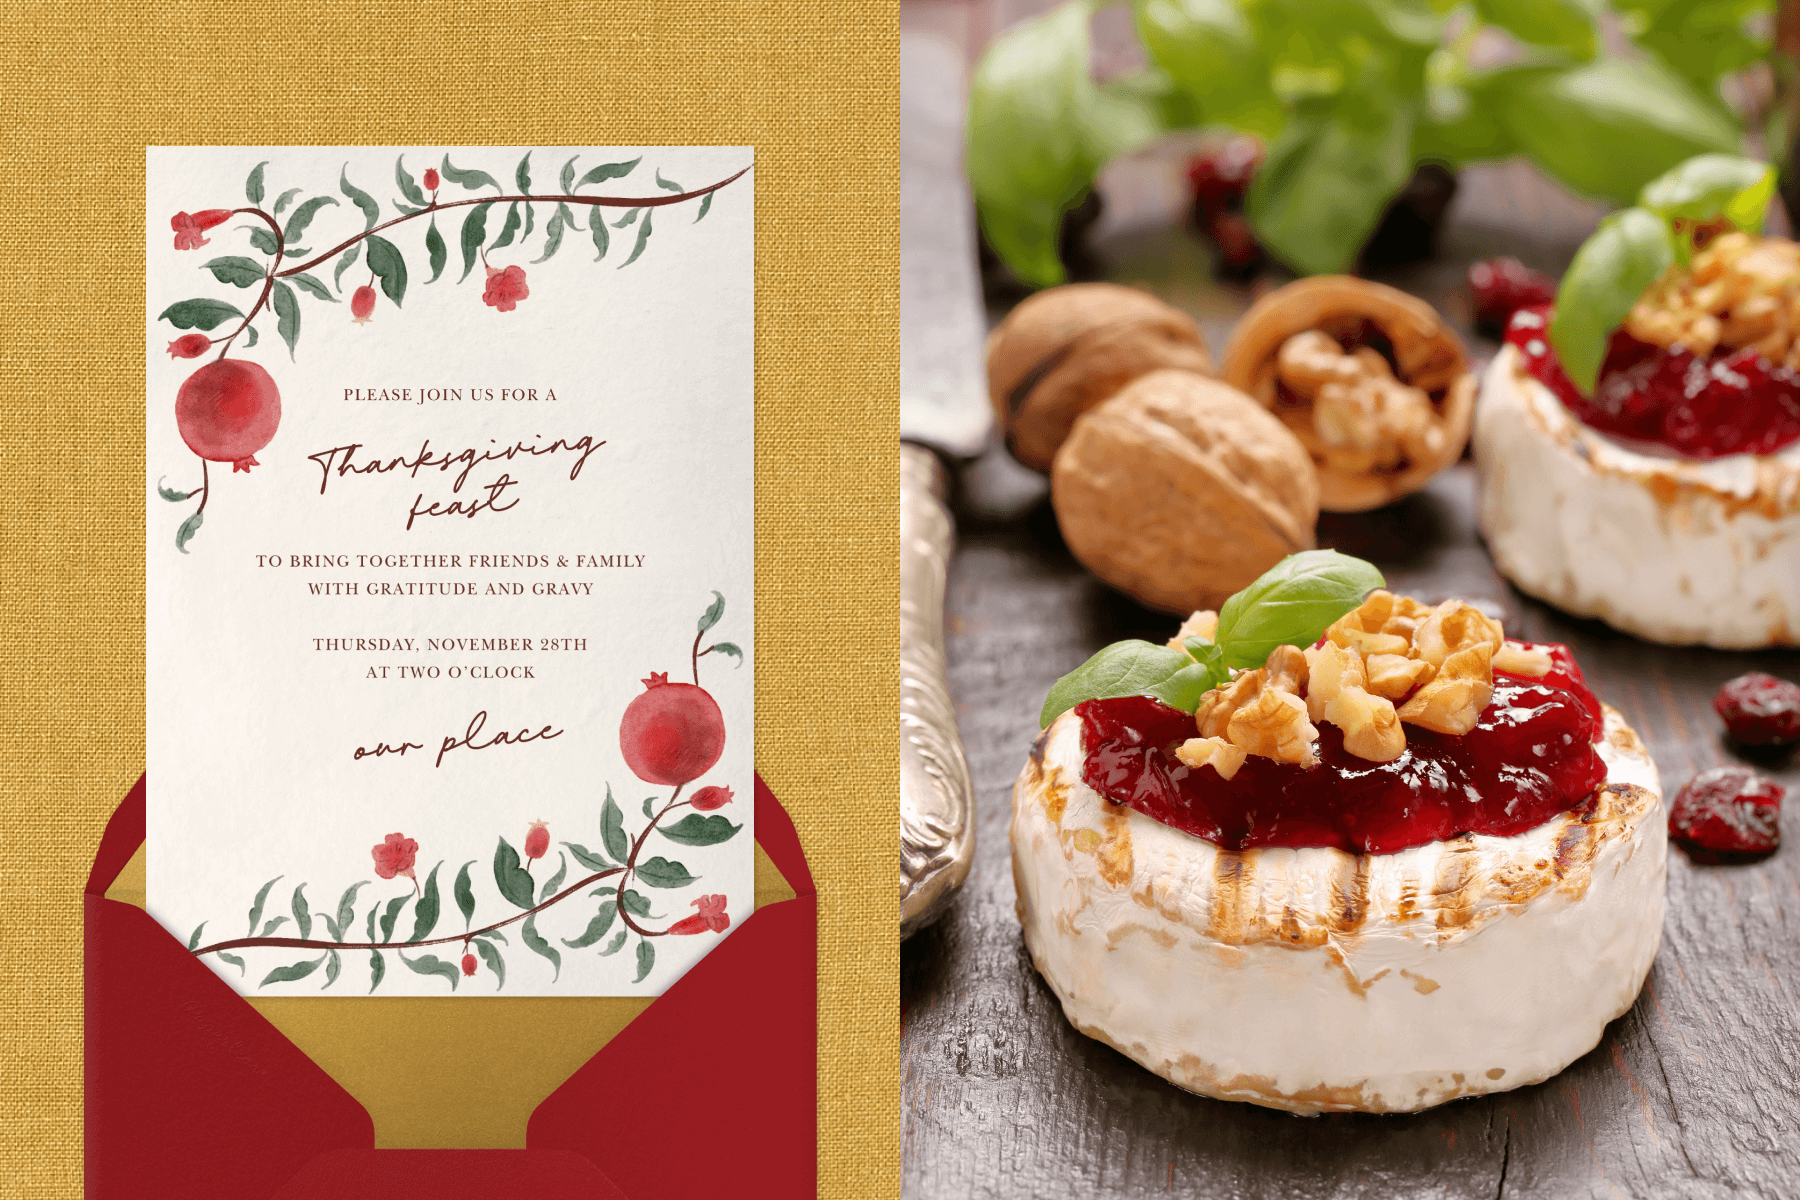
<point>280,249</point>
<point>631,865</point>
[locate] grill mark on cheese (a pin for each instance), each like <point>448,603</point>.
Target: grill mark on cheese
<point>1233,879</point>
<point>1457,877</point>
<point>1114,857</point>
<point>1421,985</point>
<point>1350,900</point>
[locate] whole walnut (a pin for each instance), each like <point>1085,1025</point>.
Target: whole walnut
<point>1068,348</point>
<point>1181,490</point>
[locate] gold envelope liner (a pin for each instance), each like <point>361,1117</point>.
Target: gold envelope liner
<point>442,1072</point>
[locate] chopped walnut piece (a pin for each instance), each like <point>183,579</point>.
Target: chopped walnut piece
<point>1395,675</point>
<point>1371,727</point>
<point>1274,725</point>
<point>1453,626</point>
<point>1287,668</point>
<point>1367,643</point>
<point>1224,757</point>
<point>1202,624</point>
<point>1213,715</point>
<point>1364,417</point>
<point>1740,292</point>
<point>1332,668</point>
<point>1453,700</point>
<point>1515,659</point>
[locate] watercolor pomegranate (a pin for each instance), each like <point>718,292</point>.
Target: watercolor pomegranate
<point>227,411</point>
<point>709,798</point>
<point>537,840</point>
<point>673,733</point>
<point>362,305</point>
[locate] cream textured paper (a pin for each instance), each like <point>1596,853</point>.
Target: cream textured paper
<point>814,88</point>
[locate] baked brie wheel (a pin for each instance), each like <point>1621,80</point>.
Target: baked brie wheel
<point>1317,980</point>
<point>1674,550</point>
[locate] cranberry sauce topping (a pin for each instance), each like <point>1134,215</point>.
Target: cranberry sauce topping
<point>1530,757</point>
<point>1730,403</point>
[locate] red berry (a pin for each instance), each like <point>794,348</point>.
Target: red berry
<point>468,964</point>
<point>431,179</point>
<point>1760,710</point>
<point>1222,173</point>
<point>227,411</point>
<point>673,733</point>
<point>709,798</point>
<point>537,840</point>
<point>362,304</point>
<point>1237,244</point>
<point>1502,286</point>
<point>190,345</point>
<point>1725,811</point>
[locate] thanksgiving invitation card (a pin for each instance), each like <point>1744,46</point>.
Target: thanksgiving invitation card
<point>449,539</point>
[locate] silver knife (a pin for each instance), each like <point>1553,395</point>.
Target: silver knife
<point>943,410</point>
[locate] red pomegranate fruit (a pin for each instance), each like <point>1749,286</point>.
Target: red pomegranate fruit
<point>537,840</point>
<point>362,304</point>
<point>227,411</point>
<point>673,733</point>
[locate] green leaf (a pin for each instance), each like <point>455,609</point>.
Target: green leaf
<point>200,313</point>
<point>523,174</point>
<point>586,857</point>
<point>602,239</point>
<point>287,312</point>
<point>1564,24</point>
<point>661,873</point>
<point>627,219</point>
<point>526,236</point>
<point>286,199</point>
<point>696,830</point>
<point>314,286</point>
<point>188,529</point>
<point>237,270</point>
<point>298,971</point>
<point>713,612</point>
<point>612,947</point>
<point>332,927</point>
<point>664,183</point>
<point>635,903</point>
<point>435,250</point>
<point>726,648</point>
<point>705,203</point>
<point>370,209</point>
<point>408,187</point>
<point>388,264</point>
<point>569,221</point>
<point>605,171</point>
<point>390,915</point>
<point>465,893</point>
<point>271,925</point>
<point>168,493</point>
<point>251,339</point>
<point>346,909</point>
<point>1209,50</point>
<point>253,186</point>
<point>596,928</point>
<point>604,891</point>
<point>1709,186</point>
<point>261,238</point>
<point>194,939</point>
<point>650,807</point>
<point>1130,668</point>
<point>490,954</point>
<point>642,237</point>
<point>513,880</point>
<point>1700,39</point>
<point>474,236</point>
<point>509,228</point>
<point>332,966</point>
<point>256,909</point>
<point>1629,251</point>
<point>1210,656</point>
<point>373,910</point>
<point>470,179</point>
<point>233,959</point>
<point>302,912</point>
<point>350,257</point>
<point>1608,127</point>
<point>568,176</point>
<point>534,941</point>
<point>492,933</point>
<point>431,964</point>
<point>646,954</point>
<point>377,969</point>
<point>1291,604</point>
<point>425,913</point>
<point>612,828</point>
<point>552,235</point>
<point>555,881</point>
<point>303,216</point>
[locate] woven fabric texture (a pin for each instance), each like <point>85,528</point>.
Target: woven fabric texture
<point>814,88</point>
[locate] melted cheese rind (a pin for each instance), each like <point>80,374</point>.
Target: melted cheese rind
<point>1315,980</point>
<point>1674,550</point>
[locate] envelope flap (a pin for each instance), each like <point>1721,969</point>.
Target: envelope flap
<point>776,834</point>
<point>124,834</point>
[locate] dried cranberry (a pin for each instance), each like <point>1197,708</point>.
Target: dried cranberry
<point>1732,402</point>
<point>1759,709</point>
<point>1727,811</point>
<point>1502,286</point>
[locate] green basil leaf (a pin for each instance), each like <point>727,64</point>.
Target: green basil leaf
<point>1703,187</point>
<point>1131,668</point>
<point>1700,40</point>
<point>1209,50</point>
<point>1292,603</point>
<point>1565,24</point>
<point>1629,251</point>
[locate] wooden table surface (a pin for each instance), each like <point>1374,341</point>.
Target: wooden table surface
<point>1693,1093</point>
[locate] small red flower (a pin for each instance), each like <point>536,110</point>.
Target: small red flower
<point>190,345</point>
<point>537,840</point>
<point>712,915</point>
<point>395,856</point>
<point>709,798</point>
<point>362,304</point>
<point>431,179</point>
<point>505,288</point>
<point>468,964</point>
<point>189,226</point>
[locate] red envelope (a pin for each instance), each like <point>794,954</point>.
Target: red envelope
<point>711,1091</point>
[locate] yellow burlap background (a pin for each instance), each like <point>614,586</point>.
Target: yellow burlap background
<point>814,88</point>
